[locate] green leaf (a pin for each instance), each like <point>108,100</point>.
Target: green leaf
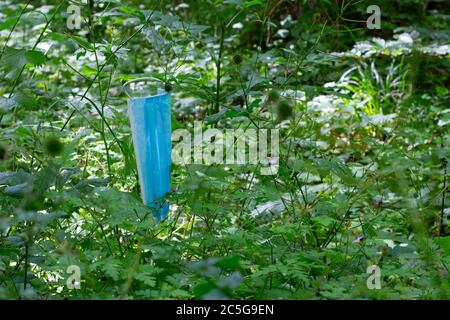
<point>8,23</point>
<point>12,178</point>
<point>7,104</point>
<point>147,274</point>
<point>145,278</point>
<point>18,190</point>
<point>112,268</point>
<point>444,243</point>
<point>203,288</point>
<point>15,59</point>
<point>82,42</point>
<point>35,57</point>
<point>57,36</point>
<point>230,263</point>
<point>252,3</point>
<point>27,99</point>
<point>224,113</point>
<point>326,221</point>
<point>336,167</point>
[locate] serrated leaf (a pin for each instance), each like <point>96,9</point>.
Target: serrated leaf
<point>112,268</point>
<point>336,167</point>
<point>15,59</point>
<point>444,243</point>
<point>146,279</point>
<point>26,98</point>
<point>13,178</point>
<point>231,262</point>
<point>7,104</point>
<point>57,36</point>
<point>224,113</point>
<point>35,57</point>
<point>323,220</point>
<point>82,42</point>
<point>8,23</point>
<point>18,190</point>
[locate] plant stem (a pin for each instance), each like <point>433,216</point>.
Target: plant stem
<point>218,65</point>
<point>104,65</point>
<point>444,191</point>
<point>14,27</point>
<point>25,278</point>
<point>90,14</point>
<point>16,81</point>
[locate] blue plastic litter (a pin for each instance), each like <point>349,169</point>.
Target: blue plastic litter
<point>150,118</point>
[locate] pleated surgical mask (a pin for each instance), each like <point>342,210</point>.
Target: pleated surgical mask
<point>149,109</point>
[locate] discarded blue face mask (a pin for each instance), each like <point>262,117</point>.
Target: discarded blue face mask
<point>150,117</point>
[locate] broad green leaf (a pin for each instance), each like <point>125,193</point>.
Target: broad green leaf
<point>57,36</point>
<point>8,23</point>
<point>444,243</point>
<point>112,268</point>
<point>82,42</point>
<point>7,104</point>
<point>15,59</point>
<point>35,57</point>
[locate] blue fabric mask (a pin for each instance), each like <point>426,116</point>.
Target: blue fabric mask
<point>150,118</point>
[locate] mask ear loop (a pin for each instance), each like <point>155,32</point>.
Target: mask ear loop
<point>126,85</point>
